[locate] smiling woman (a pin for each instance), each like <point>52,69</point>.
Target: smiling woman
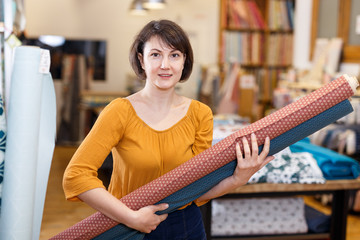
<point>162,65</point>
<point>175,39</point>
<point>149,133</point>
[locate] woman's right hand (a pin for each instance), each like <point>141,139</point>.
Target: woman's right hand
<point>145,220</point>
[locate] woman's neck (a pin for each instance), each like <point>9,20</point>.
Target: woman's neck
<point>160,98</point>
<point>159,111</point>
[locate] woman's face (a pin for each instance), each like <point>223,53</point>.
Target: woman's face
<point>163,65</point>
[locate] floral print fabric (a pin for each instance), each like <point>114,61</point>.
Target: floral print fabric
<point>289,167</point>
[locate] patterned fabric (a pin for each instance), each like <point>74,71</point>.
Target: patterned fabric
<point>288,167</point>
<point>2,145</point>
<point>221,154</point>
<point>199,187</point>
<point>258,216</point>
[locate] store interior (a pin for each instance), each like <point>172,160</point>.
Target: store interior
<point>252,58</point>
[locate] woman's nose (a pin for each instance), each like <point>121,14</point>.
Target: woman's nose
<point>165,63</point>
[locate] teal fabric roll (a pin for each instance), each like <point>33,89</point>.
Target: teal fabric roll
<point>29,145</point>
<point>201,186</point>
<point>332,164</point>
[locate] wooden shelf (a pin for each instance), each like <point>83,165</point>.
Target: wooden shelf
<point>330,185</point>
<point>236,29</point>
<point>340,204</point>
<point>260,48</point>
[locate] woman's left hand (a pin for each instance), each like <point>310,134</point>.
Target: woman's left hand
<point>250,161</point>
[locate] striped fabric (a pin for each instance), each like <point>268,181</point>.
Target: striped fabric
<point>2,144</point>
<point>193,178</point>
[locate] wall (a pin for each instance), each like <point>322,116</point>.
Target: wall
<point>110,20</point>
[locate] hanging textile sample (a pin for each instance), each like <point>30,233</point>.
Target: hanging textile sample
<point>2,112</point>
<point>31,127</point>
<point>2,145</point>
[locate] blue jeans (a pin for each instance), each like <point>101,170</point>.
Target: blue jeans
<point>185,224</point>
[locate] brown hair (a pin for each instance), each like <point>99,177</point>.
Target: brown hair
<point>172,35</point>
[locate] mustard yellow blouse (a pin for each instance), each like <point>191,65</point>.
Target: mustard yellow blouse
<point>140,153</point>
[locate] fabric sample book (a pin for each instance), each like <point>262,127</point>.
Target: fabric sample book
<point>196,176</point>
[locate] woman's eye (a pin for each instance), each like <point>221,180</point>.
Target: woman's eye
<point>175,55</point>
<point>155,54</point>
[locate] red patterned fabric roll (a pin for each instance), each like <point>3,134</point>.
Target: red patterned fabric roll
<point>220,154</point>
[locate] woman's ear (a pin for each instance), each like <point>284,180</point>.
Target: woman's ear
<point>141,60</point>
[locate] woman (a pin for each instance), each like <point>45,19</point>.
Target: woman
<point>150,133</point>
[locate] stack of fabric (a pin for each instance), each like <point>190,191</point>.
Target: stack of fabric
<point>332,164</point>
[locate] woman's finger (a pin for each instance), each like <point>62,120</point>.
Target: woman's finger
<point>246,147</point>
<point>254,146</point>
<point>160,207</point>
<point>266,161</point>
<point>266,148</point>
<point>239,154</point>
<point>163,217</point>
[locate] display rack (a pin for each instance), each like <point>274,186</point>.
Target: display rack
<point>258,35</point>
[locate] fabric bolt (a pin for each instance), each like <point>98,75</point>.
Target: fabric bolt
<point>217,162</point>
<point>2,144</point>
<point>341,138</point>
<point>332,164</point>
<point>97,222</point>
<point>220,154</point>
<point>317,222</point>
<point>258,216</point>
<point>357,135</point>
<point>29,145</point>
<point>199,187</point>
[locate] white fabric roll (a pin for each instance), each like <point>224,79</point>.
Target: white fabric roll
<point>29,145</point>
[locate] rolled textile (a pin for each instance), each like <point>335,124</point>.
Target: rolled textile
<point>222,154</point>
<point>201,186</point>
<point>29,145</point>
<point>2,144</point>
<point>333,165</point>
<point>317,222</point>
